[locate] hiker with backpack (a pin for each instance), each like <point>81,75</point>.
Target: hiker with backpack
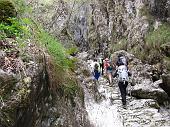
<point>96,70</point>
<point>108,69</point>
<point>122,60</point>
<point>123,74</point>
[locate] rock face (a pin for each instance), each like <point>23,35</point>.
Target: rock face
<point>94,23</point>
<point>104,26</point>
<point>29,100</point>
<point>166,83</point>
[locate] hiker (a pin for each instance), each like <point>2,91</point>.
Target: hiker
<point>96,70</point>
<point>108,69</point>
<point>101,65</point>
<point>123,77</point>
<point>122,60</point>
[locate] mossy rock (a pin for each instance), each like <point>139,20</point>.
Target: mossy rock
<point>7,10</point>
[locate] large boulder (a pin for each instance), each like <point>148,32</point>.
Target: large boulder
<point>149,90</point>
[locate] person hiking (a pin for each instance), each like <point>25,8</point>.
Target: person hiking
<point>96,70</point>
<point>123,77</point>
<point>122,60</point>
<point>101,65</point>
<point>108,69</point>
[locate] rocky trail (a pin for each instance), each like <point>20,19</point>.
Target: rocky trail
<point>104,106</point>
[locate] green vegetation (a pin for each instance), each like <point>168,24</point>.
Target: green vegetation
<point>153,42</point>
<point>144,11</point>
<point>59,64</point>
<point>72,50</point>
<point>158,37</point>
<point>121,45</point>
<point>20,33</point>
<point>7,10</point>
<point>16,28</point>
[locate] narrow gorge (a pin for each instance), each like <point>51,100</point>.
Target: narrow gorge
<point>46,51</point>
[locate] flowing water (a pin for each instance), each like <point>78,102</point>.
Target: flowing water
<point>103,113</point>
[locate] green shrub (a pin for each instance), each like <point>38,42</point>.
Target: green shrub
<point>55,49</point>
<point>72,50</point>
<point>16,28</point>
<point>158,37</point>
<point>121,45</point>
<point>7,10</point>
<point>144,11</point>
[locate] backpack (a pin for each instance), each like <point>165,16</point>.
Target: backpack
<point>122,61</point>
<point>122,73</point>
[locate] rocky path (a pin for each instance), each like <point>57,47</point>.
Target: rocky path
<point>104,106</point>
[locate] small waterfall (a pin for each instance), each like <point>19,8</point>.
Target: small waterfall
<point>104,113</point>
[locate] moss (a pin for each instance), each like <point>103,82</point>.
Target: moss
<point>7,10</point>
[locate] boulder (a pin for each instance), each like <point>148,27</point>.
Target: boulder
<point>149,90</point>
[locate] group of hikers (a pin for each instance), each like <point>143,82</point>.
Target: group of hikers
<point>111,70</point>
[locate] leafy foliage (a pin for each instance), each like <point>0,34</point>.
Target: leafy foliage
<point>121,45</point>
<point>15,28</point>
<point>158,37</point>
<point>54,48</point>
<point>7,10</point>
<point>72,50</point>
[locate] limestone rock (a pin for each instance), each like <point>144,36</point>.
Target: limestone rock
<point>150,91</point>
